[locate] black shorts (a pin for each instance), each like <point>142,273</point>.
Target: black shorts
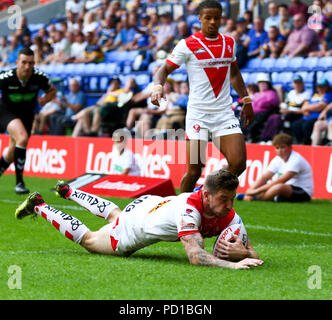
<point>7,115</point>
<point>298,195</point>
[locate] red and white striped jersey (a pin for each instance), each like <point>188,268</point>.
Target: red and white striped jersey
<point>208,63</point>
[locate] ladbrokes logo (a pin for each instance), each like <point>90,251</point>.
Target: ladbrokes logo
<point>119,185</point>
<point>45,160</point>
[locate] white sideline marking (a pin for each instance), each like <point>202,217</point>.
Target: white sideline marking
<point>249,226</point>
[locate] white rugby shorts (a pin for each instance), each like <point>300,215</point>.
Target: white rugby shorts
<point>200,124</point>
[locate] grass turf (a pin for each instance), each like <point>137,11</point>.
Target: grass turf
<point>290,238</point>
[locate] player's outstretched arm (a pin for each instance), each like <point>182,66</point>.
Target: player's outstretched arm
<point>194,246</point>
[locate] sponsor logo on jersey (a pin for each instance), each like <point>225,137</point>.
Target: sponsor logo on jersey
<point>13,87</point>
<point>200,50</point>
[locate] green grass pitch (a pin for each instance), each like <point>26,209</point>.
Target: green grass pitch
<point>295,242</point>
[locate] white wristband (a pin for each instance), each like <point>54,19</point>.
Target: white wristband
<point>157,87</point>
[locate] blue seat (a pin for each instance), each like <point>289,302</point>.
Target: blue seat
<point>253,65</point>
<point>143,79</point>
<point>93,84</point>
<point>112,68</point>
<point>294,64</point>
<point>324,63</point>
<point>252,78</point>
<point>245,76</point>
<point>280,64</point>
<point>267,64</point>
<point>328,76</point>
<point>103,83</point>
<point>79,69</point>
<point>282,78</point>
<point>309,63</point>
<point>69,69</point>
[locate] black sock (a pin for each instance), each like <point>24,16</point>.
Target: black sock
<point>19,159</point>
<point>4,164</point>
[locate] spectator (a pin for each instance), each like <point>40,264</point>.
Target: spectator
<point>323,123</point>
<point>43,33</point>
<point>58,44</point>
<point>273,19</point>
<point>285,22</point>
<point>174,116</point>
<point>302,128</point>
<point>23,30</point>
<point>326,47</point>
<point>78,47</point>
<point>229,27</point>
<point>4,51</point>
<point>183,32</point>
<point>274,46</point>
<point>294,181</point>
<point>74,6</point>
<point>14,48</point>
<point>42,117</point>
<point>127,33</point>
<point>71,103</point>
<point>90,24</point>
<point>241,50</point>
<point>71,21</point>
<point>143,39</point>
<point>318,21</point>
<point>90,119</point>
<point>291,108</point>
<point>327,10</point>
<point>264,103</point>
<point>123,159</point>
<point>166,32</point>
<point>256,38</point>
<point>223,22</point>
<point>92,51</point>
<point>298,7</point>
<point>248,16</point>
<point>147,115</point>
<point>66,52</point>
<point>106,33</point>
<point>241,27</point>
<point>302,40</point>
<point>37,48</point>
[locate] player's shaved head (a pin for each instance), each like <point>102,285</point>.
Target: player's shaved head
<point>221,180</point>
<point>209,4</point>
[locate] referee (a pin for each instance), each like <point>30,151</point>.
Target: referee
<point>19,88</point>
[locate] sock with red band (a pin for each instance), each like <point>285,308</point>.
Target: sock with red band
<point>68,225</point>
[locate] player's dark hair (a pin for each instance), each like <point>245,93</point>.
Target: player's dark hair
<point>26,51</point>
<point>221,180</point>
<point>209,4</point>
<point>282,138</point>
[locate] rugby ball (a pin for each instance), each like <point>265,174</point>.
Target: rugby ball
<point>228,235</point>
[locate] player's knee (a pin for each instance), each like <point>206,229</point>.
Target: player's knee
<point>89,241</point>
<point>238,166</point>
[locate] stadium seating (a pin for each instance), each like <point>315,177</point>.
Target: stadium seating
<point>267,64</point>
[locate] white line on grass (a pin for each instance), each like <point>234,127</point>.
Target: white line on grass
<point>249,226</point>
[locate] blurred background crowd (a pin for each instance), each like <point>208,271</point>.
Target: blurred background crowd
<point>102,55</point>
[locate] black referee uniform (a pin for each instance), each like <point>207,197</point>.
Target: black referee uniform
<point>19,101</point>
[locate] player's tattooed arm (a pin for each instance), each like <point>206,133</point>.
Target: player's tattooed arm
<point>194,246</point>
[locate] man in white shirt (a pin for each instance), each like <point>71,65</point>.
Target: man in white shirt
<point>210,59</point>
<point>294,182</point>
<point>123,159</point>
<point>189,217</point>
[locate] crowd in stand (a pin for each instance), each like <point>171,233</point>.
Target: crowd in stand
<point>93,28</point>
